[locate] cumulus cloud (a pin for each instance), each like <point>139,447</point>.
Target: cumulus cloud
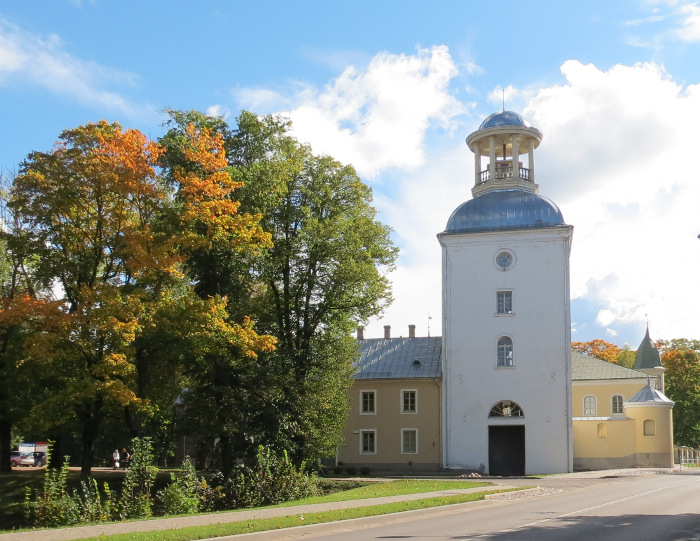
<point>44,62</point>
<point>375,116</point>
<point>616,155</point>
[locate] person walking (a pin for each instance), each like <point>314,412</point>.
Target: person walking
<point>115,458</point>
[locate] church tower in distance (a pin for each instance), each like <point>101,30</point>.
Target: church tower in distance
<point>506,350</point>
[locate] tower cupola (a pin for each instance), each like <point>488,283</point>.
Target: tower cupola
<point>498,145</point>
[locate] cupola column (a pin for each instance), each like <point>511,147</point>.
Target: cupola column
<point>477,163</point>
<point>531,161</point>
<point>492,158</point>
<point>516,156</point>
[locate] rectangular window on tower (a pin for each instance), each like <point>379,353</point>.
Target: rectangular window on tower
<point>504,302</point>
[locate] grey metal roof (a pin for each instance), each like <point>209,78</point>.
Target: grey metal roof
<point>647,355</point>
<point>394,358</point>
<point>649,394</point>
<point>584,367</point>
<point>504,210</point>
<point>504,118</point>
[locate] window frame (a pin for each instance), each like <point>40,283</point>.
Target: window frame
<point>367,432</point>
<point>402,403</point>
<point>404,431</point>
<point>587,410</point>
<point>613,407</point>
<point>368,392</point>
<point>506,303</point>
<point>502,351</point>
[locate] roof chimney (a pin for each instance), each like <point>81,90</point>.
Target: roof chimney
<point>387,331</point>
<point>411,331</point>
<point>360,332</point>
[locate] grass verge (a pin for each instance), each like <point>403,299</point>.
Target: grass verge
<point>277,523</point>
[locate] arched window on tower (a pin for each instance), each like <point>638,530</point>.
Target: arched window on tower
<point>504,351</point>
<point>506,408</point>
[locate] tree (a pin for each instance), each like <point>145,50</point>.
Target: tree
<point>24,303</point>
<point>114,236</point>
<point>600,349</point>
<point>323,274</point>
<point>88,205</point>
<point>681,358</point>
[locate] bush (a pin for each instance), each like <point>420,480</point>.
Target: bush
<point>135,501</point>
<point>55,506</point>
<point>273,479</point>
<point>352,470</point>
<point>364,470</point>
<point>337,470</point>
<point>181,496</point>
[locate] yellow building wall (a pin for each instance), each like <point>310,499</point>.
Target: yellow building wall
<point>388,421</point>
<point>653,450</point>
<point>605,440</point>
<point>604,392</point>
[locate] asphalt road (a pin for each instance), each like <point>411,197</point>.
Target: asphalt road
<point>626,507</point>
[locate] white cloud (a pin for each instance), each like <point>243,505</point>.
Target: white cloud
<point>44,62</point>
<point>690,30</point>
<point>375,117</point>
<point>616,158</point>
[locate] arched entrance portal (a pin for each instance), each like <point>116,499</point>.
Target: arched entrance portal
<point>506,441</point>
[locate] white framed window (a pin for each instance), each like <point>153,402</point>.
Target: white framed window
<point>504,351</point>
<point>409,401</point>
<point>590,405</point>
<point>368,402</point>
<point>616,404</point>
<point>649,428</point>
<point>504,302</point>
<point>409,441</point>
<point>368,442</point>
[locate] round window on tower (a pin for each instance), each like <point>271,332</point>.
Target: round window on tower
<point>504,260</point>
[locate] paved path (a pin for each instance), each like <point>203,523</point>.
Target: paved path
<point>545,485</point>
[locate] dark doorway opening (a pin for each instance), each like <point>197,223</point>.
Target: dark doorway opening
<point>507,450</point>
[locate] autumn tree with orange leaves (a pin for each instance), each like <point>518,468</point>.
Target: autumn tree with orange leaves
<point>111,235</point>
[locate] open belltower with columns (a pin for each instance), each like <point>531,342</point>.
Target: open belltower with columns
<point>506,341</point>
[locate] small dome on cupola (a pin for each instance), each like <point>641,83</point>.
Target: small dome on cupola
<point>504,118</point>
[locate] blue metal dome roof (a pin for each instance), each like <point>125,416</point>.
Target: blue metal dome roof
<point>504,210</point>
<point>504,118</point>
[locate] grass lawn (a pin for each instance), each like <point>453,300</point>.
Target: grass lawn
<point>248,526</point>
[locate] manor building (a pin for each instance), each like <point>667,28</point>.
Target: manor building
<point>501,392</point>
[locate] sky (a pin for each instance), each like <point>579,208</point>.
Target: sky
<point>394,88</point>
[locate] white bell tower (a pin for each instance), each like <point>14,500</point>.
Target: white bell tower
<point>506,314</point>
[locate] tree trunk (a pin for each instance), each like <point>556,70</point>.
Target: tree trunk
<point>91,427</point>
<point>5,445</point>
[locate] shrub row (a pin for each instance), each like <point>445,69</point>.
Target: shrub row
<point>272,479</point>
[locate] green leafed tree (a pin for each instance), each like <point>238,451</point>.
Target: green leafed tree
<point>681,358</point>
<point>325,272</point>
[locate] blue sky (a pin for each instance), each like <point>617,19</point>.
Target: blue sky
<point>394,88</point>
